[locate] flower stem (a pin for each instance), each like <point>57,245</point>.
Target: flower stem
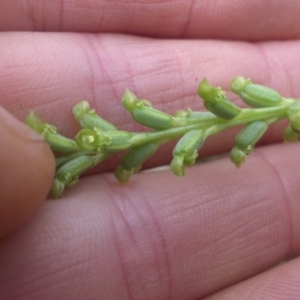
<point>99,139</point>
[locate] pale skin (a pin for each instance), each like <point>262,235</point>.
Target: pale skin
<point>214,234</point>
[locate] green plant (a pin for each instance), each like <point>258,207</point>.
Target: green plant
<point>99,139</point>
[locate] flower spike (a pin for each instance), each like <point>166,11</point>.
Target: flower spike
<point>99,139</point>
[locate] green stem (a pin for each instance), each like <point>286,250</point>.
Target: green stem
<point>247,115</point>
<point>251,115</point>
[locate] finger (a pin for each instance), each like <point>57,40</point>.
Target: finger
<point>235,19</point>
<point>68,68</point>
<point>26,172</point>
<point>160,237</point>
<point>278,283</point>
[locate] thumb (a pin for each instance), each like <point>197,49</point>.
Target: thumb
<point>26,172</point>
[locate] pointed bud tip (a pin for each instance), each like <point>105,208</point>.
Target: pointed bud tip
<point>34,122</point>
<point>177,166</point>
<point>237,156</point>
<point>121,174</point>
<point>57,189</point>
<point>204,89</point>
<point>237,84</point>
<point>80,109</point>
<point>129,100</point>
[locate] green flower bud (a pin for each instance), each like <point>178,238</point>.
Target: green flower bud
<point>123,175</point>
<point>152,118</point>
<point>118,140</point>
<point>177,165</point>
<point>88,139</point>
<point>216,102</point>
<point>190,143</point>
<point>88,118</point>
<point>136,156</point>
<point>254,94</point>
<point>80,109</point>
<point>290,135</point>
<point>133,160</point>
<point>201,115</point>
<point>189,117</point>
<point>249,135</point>
<point>69,172</point>
<point>57,142</point>
<point>93,121</point>
<point>238,83</point>
<point>245,141</point>
<point>142,112</point>
<point>96,140</point>
<point>57,189</point>
<point>34,122</point>
<point>61,160</point>
<point>186,151</point>
<point>237,156</point>
<point>131,102</point>
<point>293,113</point>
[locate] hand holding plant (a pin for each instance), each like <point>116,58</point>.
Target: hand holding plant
<point>215,234</point>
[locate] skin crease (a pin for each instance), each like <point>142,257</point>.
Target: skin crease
<point>214,234</point>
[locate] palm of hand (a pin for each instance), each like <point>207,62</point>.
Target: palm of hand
<point>159,237</point>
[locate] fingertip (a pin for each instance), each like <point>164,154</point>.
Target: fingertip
<point>26,172</point>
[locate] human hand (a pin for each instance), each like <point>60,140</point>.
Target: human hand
<point>215,232</point>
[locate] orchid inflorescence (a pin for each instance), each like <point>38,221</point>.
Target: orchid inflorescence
<point>98,139</point>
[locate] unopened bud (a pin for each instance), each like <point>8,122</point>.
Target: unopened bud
<point>237,156</point>
<point>88,118</point>
<point>57,142</point>
<point>249,135</point>
<point>177,165</point>
<point>143,113</point>
<point>132,161</point>
<point>57,188</point>
<point>216,102</point>
<point>69,172</point>
<point>186,151</point>
<point>254,94</point>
